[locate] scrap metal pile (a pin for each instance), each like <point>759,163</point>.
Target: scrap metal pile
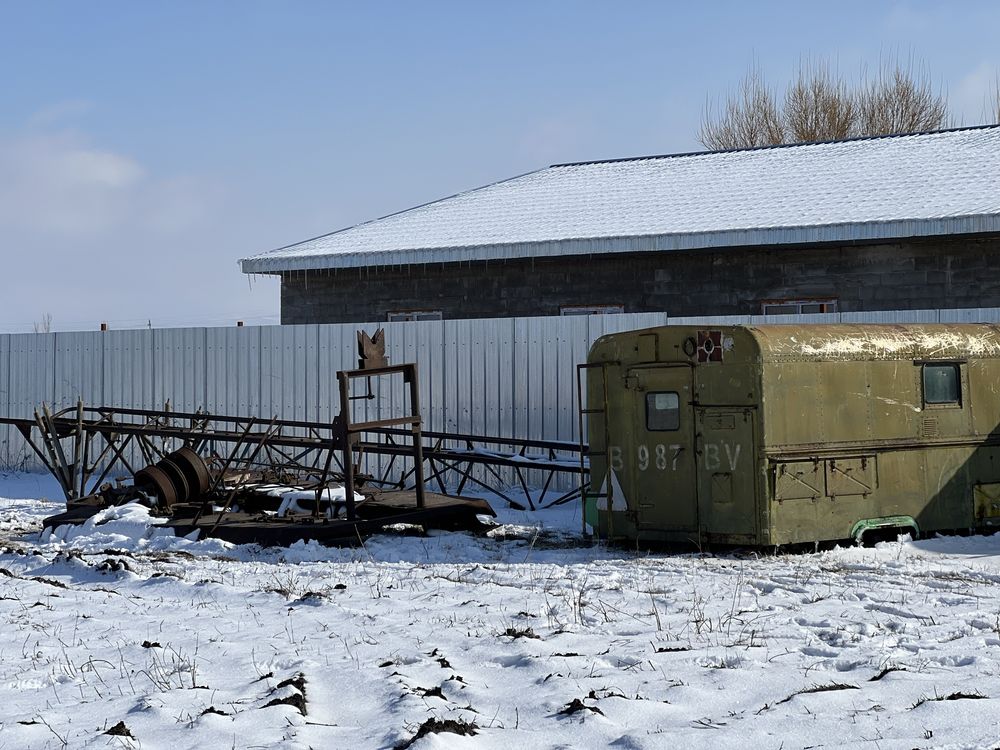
<point>273,481</point>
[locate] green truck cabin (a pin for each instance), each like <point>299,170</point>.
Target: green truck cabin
<point>788,434</point>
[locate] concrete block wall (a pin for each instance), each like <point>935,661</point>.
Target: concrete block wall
<point>953,272</point>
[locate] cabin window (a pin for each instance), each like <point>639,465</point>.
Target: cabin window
<point>663,411</point>
<point>942,384</point>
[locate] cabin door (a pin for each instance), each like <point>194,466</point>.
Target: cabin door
<point>661,459</point>
<point>727,482</point>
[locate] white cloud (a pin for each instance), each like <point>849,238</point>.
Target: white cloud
<point>60,184</point>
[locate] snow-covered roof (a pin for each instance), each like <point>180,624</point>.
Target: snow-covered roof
<point>945,182</point>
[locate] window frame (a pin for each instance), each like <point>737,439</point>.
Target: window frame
<point>828,305</point>
<point>603,309</point>
<point>649,411</point>
<point>958,369</point>
<point>412,316</point>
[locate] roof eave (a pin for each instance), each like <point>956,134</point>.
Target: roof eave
<point>753,237</point>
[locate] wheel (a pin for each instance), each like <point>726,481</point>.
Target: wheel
<point>155,480</point>
<point>176,474</point>
<point>195,471</point>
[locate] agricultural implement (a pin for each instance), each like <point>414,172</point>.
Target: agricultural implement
<point>275,481</point>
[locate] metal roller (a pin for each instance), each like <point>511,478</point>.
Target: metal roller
<point>176,474</point>
<point>195,471</point>
<point>156,480</point>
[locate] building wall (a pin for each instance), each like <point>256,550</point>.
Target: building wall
<point>941,272</point>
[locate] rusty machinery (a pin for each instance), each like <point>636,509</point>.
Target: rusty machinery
<point>224,475</point>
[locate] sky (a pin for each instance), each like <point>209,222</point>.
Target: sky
<point>146,147</point>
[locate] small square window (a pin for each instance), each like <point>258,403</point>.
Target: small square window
<point>799,306</point>
<point>663,411</point>
<point>591,309</point>
<point>395,316</point>
<point>942,384</point>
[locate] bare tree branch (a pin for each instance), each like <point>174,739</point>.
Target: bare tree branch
<point>819,105</point>
<point>44,325</point>
<point>900,100</point>
<point>750,117</point>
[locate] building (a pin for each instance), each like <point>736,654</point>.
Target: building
<point>888,223</point>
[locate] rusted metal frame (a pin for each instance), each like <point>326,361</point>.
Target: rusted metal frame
<point>176,433</point>
<point>213,437</point>
<point>410,376</point>
<point>56,468</point>
<point>80,440</point>
<point>568,465</point>
<point>567,496</point>
<point>142,440</point>
<point>85,470</point>
<point>25,430</point>
<point>238,486</point>
<point>108,445</point>
<point>225,466</point>
<point>464,474</point>
<point>118,456</point>
<point>510,501</point>
<point>374,424</point>
<point>306,461</point>
<point>388,469</point>
<point>187,415</point>
<point>545,487</point>
<point>288,459</point>
<point>351,431</point>
<point>321,486</point>
<point>524,487</point>
<point>437,473</point>
<point>436,476</point>
<point>268,454</point>
<point>69,470</point>
<point>467,476</point>
<point>347,440</point>
<point>557,445</point>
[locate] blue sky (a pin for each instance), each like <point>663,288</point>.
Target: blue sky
<point>145,146</point>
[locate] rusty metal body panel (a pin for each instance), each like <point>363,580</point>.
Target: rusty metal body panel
<point>787,434</point>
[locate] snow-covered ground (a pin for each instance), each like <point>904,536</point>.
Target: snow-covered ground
<point>526,637</point>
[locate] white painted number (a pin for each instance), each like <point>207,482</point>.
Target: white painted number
<point>665,457</point>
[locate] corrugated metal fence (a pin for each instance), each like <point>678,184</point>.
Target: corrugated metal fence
<point>513,377</point>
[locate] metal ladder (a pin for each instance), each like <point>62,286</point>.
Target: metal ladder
<point>585,410</point>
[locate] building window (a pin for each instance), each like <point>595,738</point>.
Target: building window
<point>799,306</point>
<point>663,411</point>
<point>942,384</point>
<point>396,316</point>
<point>591,309</point>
